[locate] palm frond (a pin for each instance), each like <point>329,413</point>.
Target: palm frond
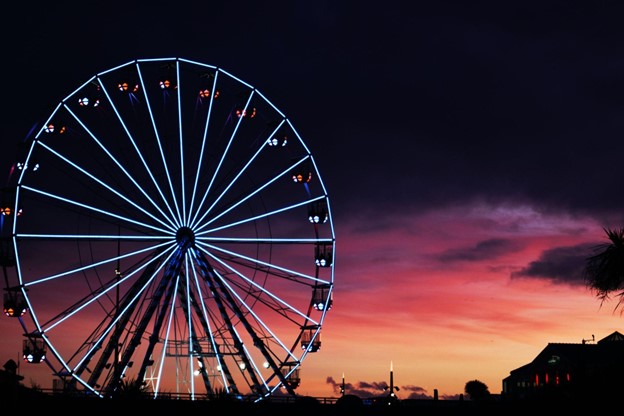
<point>604,270</point>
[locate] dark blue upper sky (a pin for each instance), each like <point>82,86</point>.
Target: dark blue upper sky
<point>419,104</point>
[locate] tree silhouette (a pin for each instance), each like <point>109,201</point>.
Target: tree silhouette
<point>604,271</point>
<point>476,390</point>
<point>131,389</point>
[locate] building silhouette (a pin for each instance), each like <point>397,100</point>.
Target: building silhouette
<point>10,374</point>
<point>583,371</point>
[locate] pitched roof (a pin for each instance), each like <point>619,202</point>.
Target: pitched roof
<point>616,336</point>
<point>604,353</point>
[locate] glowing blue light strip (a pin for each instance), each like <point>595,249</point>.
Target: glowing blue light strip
<point>96,236</point>
<point>32,145</point>
<point>256,317</point>
<point>203,147</point>
<point>235,334</point>
<point>106,150</point>
<point>162,154</point>
<point>170,217</point>
<point>263,263</point>
<point>271,104</point>
<point>157,59</point>
<point>123,197</point>
<point>166,338</point>
<point>237,79</point>
<point>101,211</point>
<point>66,366</point>
<point>68,272</point>
<point>112,324</point>
<point>95,298</point>
<point>249,357</point>
<point>223,193</point>
<point>276,177</point>
<point>207,319</point>
<point>118,67</point>
<point>216,172</point>
<point>266,240</point>
<point>181,134</point>
<point>263,290</point>
<point>235,178</point>
<point>298,137</point>
<point>266,214</point>
<point>197,63</point>
<point>189,323</point>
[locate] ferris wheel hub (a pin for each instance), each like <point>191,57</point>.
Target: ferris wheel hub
<point>185,237</point>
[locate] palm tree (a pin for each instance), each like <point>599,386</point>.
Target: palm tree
<point>604,271</point>
<point>131,389</point>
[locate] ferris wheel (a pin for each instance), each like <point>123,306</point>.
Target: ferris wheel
<point>175,232</point>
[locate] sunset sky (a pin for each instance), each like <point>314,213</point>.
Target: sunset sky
<point>472,154</point>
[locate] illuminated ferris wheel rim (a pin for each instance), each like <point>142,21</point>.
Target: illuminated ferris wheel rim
<point>179,222</point>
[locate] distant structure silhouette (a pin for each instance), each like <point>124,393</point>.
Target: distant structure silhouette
<point>10,374</point>
<point>391,398</point>
<point>571,370</point>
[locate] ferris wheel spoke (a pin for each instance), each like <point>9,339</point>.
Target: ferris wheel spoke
<point>181,141</point>
<point>258,217</point>
<point>92,265</point>
<point>203,313</point>
<point>94,209</point>
<point>241,171</point>
<point>125,310</point>
<point>223,296</point>
<point>258,319</point>
<point>94,237</point>
<point>139,154</point>
<point>288,273</point>
<point>92,297</point>
<point>110,156</point>
<point>109,188</point>
<point>166,339</point>
<point>207,344</point>
<point>261,289</point>
<point>247,197</point>
<point>161,315</point>
<point>260,240</point>
<point>256,369</point>
<point>216,339</point>
<point>201,157</point>
<point>195,322</point>
<point>160,148</point>
<point>194,221</point>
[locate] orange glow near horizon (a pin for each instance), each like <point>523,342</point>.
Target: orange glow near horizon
<point>418,293</point>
